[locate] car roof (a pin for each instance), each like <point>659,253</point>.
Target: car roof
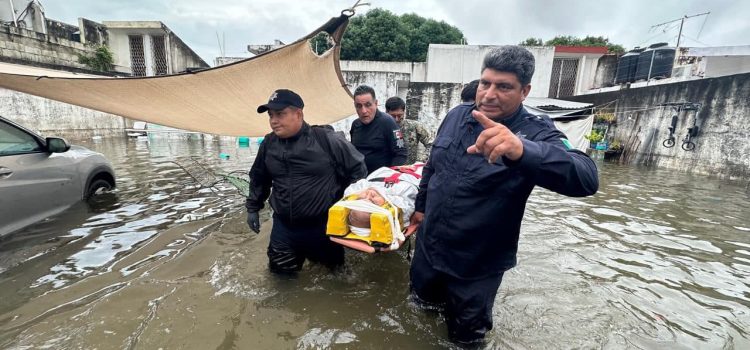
<point>33,133</point>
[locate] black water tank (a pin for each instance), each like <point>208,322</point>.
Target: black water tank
<point>655,62</point>
<point>626,66</point>
<point>663,62</point>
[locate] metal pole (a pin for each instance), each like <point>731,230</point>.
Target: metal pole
<point>13,12</point>
<point>679,35</point>
<point>653,55</point>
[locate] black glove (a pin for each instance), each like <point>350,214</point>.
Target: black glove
<point>253,220</point>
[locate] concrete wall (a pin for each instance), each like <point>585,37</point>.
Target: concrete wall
<point>179,56</point>
<point>92,33</point>
<point>463,63</point>
<point>33,19</point>
<point>50,117</point>
<point>718,66</point>
<point>182,56</point>
<point>586,73</point>
<point>61,30</point>
<point>28,47</point>
<point>606,68</point>
<point>430,102</point>
<point>722,147</point>
<point>385,84</point>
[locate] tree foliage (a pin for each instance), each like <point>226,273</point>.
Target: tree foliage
<point>100,60</point>
<point>532,42</point>
<point>569,40</point>
<point>587,41</point>
<point>380,35</point>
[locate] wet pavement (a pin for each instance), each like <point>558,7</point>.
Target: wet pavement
<point>657,259</point>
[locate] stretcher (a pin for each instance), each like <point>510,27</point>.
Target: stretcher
<point>388,227</point>
<point>371,249</point>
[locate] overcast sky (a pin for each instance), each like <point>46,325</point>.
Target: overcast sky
<point>243,22</point>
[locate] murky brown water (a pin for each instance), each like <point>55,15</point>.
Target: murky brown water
<point>655,260</point>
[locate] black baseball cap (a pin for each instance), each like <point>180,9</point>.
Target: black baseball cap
<point>281,99</point>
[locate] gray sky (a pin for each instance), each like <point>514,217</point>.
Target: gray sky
<point>242,22</point>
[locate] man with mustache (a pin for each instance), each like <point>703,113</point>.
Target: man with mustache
<point>485,161</point>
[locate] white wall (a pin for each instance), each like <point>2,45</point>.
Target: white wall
<point>52,118</point>
<point>718,66</point>
<point>120,46</point>
<point>463,63</point>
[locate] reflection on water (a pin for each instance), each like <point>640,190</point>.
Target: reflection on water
<point>153,193</point>
<point>657,259</point>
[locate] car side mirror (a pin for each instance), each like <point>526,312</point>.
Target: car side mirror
<point>57,145</point>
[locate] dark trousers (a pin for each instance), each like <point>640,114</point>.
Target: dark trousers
<point>467,304</point>
<point>291,244</point>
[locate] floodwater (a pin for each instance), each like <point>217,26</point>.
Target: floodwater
<point>657,259</point>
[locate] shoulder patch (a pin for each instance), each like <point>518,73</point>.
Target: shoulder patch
<point>566,143</point>
<point>399,138</point>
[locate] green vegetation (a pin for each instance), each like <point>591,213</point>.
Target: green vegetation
<point>100,60</point>
<point>380,35</point>
<point>595,136</point>
<point>568,40</point>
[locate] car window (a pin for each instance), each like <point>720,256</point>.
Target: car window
<point>16,141</point>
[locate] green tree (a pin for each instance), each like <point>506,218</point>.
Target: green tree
<point>532,42</point>
<point>569,40</point>
<point>380,35</point>
<point>321,43</point>
<point>100,60</point>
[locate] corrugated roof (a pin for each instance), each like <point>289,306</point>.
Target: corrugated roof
<point>551,104</point>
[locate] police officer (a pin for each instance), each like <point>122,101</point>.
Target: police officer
<point>469,92</point>
<point>292,161</point>
<point>485,161</point>
<point>375,134</point>
<point>411,130</point>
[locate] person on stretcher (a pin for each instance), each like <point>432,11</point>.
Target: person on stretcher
<point>376,210</point>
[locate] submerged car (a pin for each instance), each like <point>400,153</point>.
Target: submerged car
<point>41,177</point>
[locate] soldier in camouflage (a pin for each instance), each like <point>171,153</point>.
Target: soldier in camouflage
<point>412,131</point>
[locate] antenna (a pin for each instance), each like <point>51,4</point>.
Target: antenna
<point>222,47</point>
<point>682,22</point>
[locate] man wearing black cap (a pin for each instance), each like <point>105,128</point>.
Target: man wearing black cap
<point>308,167</point>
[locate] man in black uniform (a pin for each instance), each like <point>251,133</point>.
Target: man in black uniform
<point>469,92</point>
<point>375,134</point>
<point>485,161</point>
<point>292,160</point>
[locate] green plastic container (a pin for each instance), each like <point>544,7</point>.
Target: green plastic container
<point>243,141</point>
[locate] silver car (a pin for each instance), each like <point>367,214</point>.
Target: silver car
<point>42,177</point>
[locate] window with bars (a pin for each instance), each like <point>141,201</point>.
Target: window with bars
<point>564,76</point>
<point>137,57</point>
<point>160,54</point>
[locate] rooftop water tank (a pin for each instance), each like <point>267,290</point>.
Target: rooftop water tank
<point>626,66</point>
<point>655,62</point>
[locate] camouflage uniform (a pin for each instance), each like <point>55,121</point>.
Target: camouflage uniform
<point>413,134</point>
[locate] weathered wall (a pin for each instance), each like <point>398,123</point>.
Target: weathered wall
<point>605,71</point>
<point>50,117</point>
<point>430,102</point>
<point>722,147</point>
<point>385,84</point>
<point>61,30</point>
<point>24,46</point>
<point>92,33</point>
